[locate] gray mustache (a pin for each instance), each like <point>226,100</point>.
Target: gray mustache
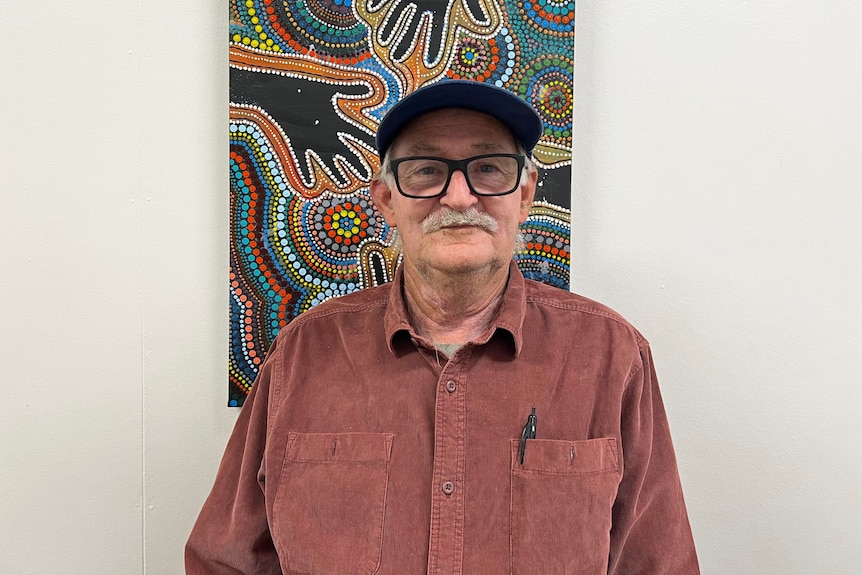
<point>449,217</point>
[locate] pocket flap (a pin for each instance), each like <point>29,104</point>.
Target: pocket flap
<point>566,457</point>
<point>339,447</point>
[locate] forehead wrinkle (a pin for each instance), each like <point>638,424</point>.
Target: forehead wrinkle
<point>425,148</point>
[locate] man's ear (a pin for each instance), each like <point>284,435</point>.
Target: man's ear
<point>381,194</point>
<point>528,192</point>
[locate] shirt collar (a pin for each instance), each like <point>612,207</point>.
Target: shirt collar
<point>509,319</point>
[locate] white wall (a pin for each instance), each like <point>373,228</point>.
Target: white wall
<point>716,182</point>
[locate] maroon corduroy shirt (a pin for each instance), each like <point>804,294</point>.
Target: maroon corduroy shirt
<point>363,450</point>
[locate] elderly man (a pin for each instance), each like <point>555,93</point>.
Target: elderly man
<point>487,424</point>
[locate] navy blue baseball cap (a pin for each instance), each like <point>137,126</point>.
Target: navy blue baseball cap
<point>514,112</point>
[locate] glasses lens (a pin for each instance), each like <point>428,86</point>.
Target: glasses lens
<point>422,177</point>
<point>493,175</point>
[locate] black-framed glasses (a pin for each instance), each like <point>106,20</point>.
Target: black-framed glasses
<point>486,175</point>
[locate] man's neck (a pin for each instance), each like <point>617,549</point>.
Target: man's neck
<point>453,309</point>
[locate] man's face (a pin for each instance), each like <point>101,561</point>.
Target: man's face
<point>455,134</point>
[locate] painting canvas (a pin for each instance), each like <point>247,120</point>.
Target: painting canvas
<point>309,82</point>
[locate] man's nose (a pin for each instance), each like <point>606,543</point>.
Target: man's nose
<point>458,195</point>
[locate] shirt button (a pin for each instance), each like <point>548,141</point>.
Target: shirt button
<point>448,487</point>
<point>451,386</point>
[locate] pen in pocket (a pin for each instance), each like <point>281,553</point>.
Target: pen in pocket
<point>529,432</point>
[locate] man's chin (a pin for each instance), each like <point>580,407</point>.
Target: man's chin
<point>462,262</point>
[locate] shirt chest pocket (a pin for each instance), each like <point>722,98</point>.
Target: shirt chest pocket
<point>330,501</point>
<point>561,502</point>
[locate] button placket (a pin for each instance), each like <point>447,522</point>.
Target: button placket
<point>447,506</point>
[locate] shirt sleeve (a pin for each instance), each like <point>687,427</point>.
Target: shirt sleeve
<point>651,532</point>
<point>231,535</point>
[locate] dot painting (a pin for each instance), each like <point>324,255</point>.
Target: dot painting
<point>309,82</point>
